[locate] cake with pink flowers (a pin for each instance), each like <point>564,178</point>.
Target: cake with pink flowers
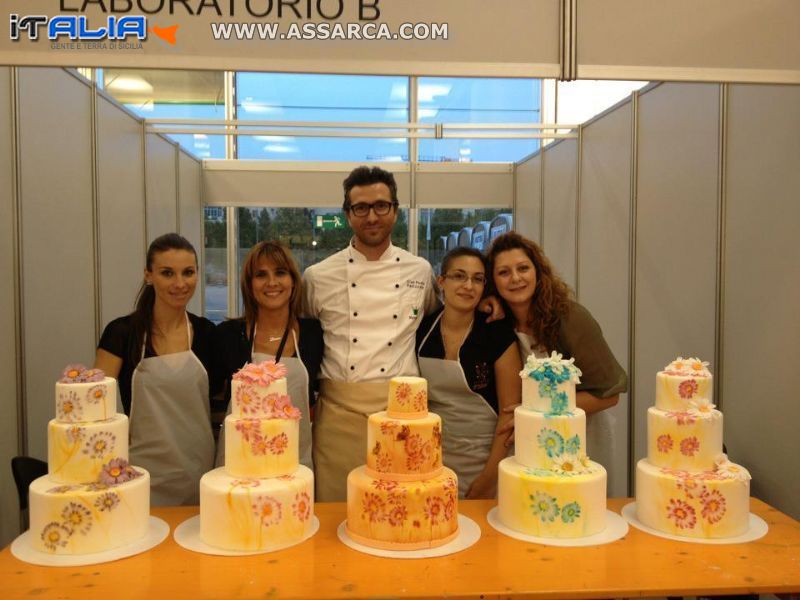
<point>263,498</point>
<point>91,499</point>
<point>403,498</point>
<point>686,486</point>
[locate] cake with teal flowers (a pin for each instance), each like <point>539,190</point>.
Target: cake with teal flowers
<point>550,488</point>
<point>91,499</point>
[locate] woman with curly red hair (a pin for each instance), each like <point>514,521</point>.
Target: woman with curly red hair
<point>547,319</point>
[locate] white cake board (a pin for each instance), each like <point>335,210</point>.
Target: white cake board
<point>187,534</point>
<point>468,534</point>
<point>616,528</point>
<point>157,532</point>
<point>757,528</point>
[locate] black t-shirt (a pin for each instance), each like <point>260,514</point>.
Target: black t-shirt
<point>117,339</point>
<point>484,345</point>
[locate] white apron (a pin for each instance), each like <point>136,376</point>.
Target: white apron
<point>170,425</point>
<point>468,421</point>
<point>297,384</point>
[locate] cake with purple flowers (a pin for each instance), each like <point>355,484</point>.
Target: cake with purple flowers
<point>91,499</point>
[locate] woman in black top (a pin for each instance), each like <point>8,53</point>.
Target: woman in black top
<point>472,368</point>
<point>271,329</point>
<point>161,355</point>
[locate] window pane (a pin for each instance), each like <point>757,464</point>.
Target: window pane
<point>466,100</point>
<point>216,263</point>
<point>310,233</point>
<point>152,93</point>
<point>442,229</point>
<point>334,98</point>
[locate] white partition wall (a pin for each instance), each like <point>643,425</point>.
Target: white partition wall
<point>560,171</point>
<point>121,208</point>
<point>161,179</point>
<point>58,279</point>
<point>9,443</point>
<point>81,174</point>
<point>761,332</point>
<point>603,258</point>
<point>459,185</point>
<point>675,244</point>
<point>190,216</point>
<point>528,197</point>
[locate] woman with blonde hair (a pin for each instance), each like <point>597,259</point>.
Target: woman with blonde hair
<point>271,329</point>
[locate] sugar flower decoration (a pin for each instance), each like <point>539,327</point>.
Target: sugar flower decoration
<point>730,470</point>
<point>283,409</point>
<point>688,367</point>
<point>703,410</point>
<point>118,471</point>
<point>78,373</point>
<point>553,368</point>
<point>263,373</point>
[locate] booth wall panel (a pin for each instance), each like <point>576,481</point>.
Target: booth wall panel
<point>57,233</point>
<point>302,189</point>
<point>761,331</point>
<point>603,258</point>
<point>162,177</point>
<point>676,252</point>
<point>528,207</point>
<point>560,167</point>
<point>458,190</point>
<point>190,211</point>
<point>9,524</point>
<point>121,209</point>
<point>685,39</point>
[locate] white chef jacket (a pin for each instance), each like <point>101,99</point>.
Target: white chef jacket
<point>369,311</point>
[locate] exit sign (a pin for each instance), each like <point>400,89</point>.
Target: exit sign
<point>330,222</point>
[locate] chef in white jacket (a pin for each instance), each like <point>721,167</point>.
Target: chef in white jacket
<point>370,298</point>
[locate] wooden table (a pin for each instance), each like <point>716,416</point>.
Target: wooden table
<point>496,567</point>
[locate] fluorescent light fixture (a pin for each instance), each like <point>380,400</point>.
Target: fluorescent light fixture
<point>280,149</point>
<point>130,83</point>
<point>202,145</point>
<point>427,113</point>
<point>465,151</point>
<point>426,92</point>
<point>258,108</point>
<point>272,138</point>
<point>200,136</point>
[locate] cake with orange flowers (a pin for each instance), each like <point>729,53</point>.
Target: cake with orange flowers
<point>91,499</point>
<point>403,498</point>
<point>686,486</point>
<point>263,498</point>
<point>550,488</point>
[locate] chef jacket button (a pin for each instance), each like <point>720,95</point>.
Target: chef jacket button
<point>351,260</point>
<point>352,367</point>
<point>352,285</point>
<point>397,285</point>
<point>382,370</point>
<point>394,316</point>
<point>355,340</point>
<point>390,343</point>
<point>397,259</point>
<point>355,314</point>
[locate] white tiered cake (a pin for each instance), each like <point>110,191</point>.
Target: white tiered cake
<point>686,486</point>
<point>91,500</point>
<point>263,498</point>
<point>550,488</point>
<point>403,498</point>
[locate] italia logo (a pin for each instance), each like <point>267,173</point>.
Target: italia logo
<point>76,27</point>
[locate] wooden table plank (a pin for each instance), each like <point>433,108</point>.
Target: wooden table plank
<point>496,567</point>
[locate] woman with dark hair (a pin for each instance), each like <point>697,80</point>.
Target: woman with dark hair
<point>472,368</point>
<point>271,330</point>
<point>538,304</point>
<point>161,356</point>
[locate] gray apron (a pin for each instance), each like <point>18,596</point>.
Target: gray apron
<point>468,421</point>
<point>170,425</point>
<point>297,387</point>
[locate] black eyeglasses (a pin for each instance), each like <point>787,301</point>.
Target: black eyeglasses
<point>461,278</point>
<point>381,208</point>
